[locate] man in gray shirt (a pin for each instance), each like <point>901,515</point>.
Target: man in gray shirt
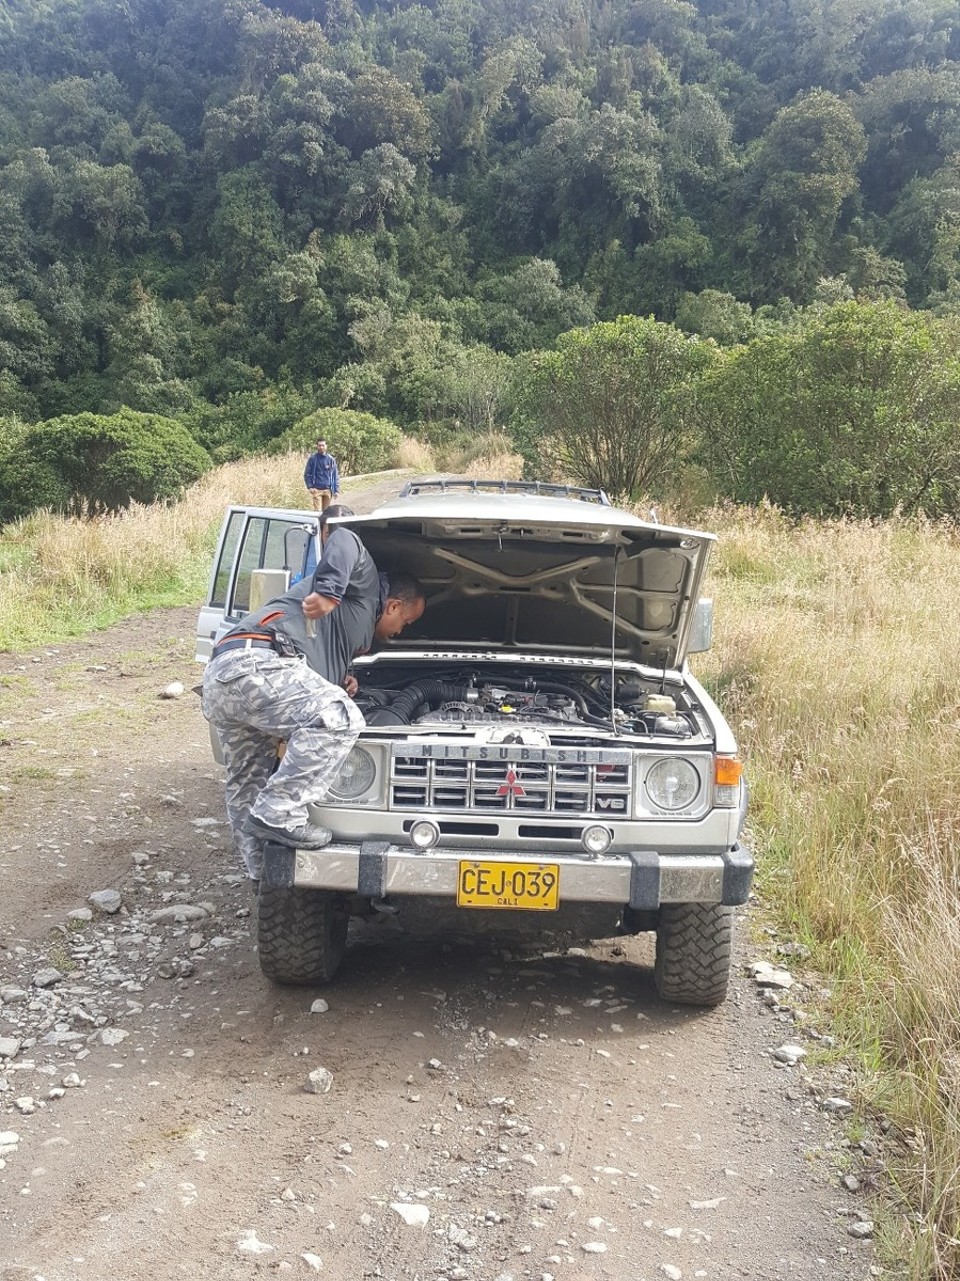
<point>279,674</point>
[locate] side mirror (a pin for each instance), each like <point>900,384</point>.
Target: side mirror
<point>701,630</point>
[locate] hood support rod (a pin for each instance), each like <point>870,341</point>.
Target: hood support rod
<point>613,642</point>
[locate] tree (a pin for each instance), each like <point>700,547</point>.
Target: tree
<point>610,406</point>
<point>381,180</point>
<point>529,307</point>
<point>716,315</point>
<point>87,465</point>
<point>855,412</point>
<point>803,170</point>
<point>381,109</point>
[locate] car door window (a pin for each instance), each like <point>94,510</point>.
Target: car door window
<point>268,543</point>
<point>228,553</point>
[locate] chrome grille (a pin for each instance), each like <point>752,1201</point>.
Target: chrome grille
<point>593,787</point>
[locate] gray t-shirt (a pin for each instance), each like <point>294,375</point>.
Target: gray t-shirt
<point>346,572</point>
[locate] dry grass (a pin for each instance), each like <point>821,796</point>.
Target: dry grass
<point>415,455</point>
<point>830,659</point>
<point>487,457</point>
<point>62,578</point>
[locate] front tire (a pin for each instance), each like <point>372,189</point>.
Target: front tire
<point>694,953</point>
<point>301,934</point>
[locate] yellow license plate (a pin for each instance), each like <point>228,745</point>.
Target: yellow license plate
<point>534,887</point>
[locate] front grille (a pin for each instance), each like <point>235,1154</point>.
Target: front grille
<point>523,787</point>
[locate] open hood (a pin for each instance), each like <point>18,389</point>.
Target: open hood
<point>527,572</point>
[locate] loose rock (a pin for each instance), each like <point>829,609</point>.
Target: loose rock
<point>789,1054</point>
<point>837,1105</point>
<point>414,1216</point>
<point>319,1081</point>
<point>108,901</point>
<point>47,976</point>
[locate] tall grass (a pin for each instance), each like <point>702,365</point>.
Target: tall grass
<point>834,658</point>
<point>61,578</point>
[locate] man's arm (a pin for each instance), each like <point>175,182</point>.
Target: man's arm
<point>341,553</point>
<point>334,477</point>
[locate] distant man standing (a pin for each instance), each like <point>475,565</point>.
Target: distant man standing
<point>321,478</point>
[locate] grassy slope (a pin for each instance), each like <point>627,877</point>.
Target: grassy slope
<point>62,578</point>
<point>834,660</point>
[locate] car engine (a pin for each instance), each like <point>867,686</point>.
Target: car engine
<point>466,699</point>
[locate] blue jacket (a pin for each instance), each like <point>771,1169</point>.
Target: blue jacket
<point>321,473</point>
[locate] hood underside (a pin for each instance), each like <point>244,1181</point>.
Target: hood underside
<point>533,573</point>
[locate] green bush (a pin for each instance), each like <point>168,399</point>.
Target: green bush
<point>248,421</point>
<point>610,406</point>
<point>855,412</point>
<point>88,465</point>
<point>359,442</point>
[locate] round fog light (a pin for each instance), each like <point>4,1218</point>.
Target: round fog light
<point>596,839</point>
<point>424,835</point>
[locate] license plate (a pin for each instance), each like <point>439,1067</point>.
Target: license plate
<point>534,887</point>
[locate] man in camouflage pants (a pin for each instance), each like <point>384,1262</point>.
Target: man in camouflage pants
<point>280,674</point>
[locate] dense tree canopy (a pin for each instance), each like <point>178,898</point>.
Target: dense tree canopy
<point>201,197</point>
<point>237,212</point>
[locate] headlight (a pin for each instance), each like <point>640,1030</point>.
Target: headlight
<point>357,775</point>
<point>672,783</point>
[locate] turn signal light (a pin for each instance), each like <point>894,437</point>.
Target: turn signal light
<point>727,771</point>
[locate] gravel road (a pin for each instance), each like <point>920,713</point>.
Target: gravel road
<point>495,1114</point>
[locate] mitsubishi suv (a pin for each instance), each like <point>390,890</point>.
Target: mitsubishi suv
<point>537,756</point>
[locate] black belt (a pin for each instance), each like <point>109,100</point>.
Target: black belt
<point>241,642</point>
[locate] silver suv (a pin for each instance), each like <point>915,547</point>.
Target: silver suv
<point>537,756</point>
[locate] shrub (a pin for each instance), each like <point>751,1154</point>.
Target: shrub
<point>854,412</point>
<point>359,442</point>
<point>87,464</point>
<point>248,421</point>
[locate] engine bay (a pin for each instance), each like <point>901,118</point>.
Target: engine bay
<point>464,697</point>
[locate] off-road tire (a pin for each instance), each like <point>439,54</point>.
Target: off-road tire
<point>301,934</point>
<point>694,952</point>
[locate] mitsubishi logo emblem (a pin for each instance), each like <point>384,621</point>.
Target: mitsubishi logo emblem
<point>510,786</point>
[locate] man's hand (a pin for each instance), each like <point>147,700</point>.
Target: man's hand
<point>351,684</point>
<point>317,606</point>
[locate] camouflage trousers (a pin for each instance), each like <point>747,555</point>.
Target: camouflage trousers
<point>254,699</point>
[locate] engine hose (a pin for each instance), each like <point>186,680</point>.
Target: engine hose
<point>406,703</point>
<point>558,687</point>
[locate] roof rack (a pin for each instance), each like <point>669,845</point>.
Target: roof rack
<point>538,487</point>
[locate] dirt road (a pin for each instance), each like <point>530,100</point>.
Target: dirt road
<point>536,1115</point>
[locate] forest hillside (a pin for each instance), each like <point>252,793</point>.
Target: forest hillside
<point>233,212</point>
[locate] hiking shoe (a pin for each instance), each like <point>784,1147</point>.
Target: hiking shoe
<point>309,836</point>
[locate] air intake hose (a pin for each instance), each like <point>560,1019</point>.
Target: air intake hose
<point>406,703</point>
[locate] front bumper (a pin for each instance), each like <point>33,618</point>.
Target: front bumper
<point>643,879</point>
